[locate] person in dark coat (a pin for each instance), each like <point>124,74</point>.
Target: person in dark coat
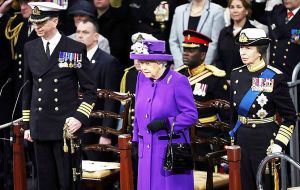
<point>283,21</point>
<point>258,92</point>
<point>15,32</point>
<point>208,83</point>
<point>114,27</point>
<point>153,17</point>
<point>107,71</point>
<point>228,51</point>
<point>54,66</point>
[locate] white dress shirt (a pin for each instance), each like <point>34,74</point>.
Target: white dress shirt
<point>53,42</point>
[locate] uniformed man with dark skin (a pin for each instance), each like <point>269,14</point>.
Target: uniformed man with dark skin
<point>259,92</point>
<point>55,67</point>
<point>207,81</point>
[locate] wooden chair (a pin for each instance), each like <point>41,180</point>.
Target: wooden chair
<point>213,180</point>
<point>107,176</point>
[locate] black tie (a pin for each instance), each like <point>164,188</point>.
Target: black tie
<point>48,50</point>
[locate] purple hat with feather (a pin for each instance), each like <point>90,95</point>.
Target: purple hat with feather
<point>150,50</point>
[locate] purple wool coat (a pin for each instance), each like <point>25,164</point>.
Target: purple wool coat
<point>169,96</point>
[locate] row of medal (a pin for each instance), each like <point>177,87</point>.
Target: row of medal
<point>69,60</point>
<point>262,84</point>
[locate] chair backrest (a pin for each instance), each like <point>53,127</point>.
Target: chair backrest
<point>214,157</point>
<point>123,147</point>
<point>125,99</point>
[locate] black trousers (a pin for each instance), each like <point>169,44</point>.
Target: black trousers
<point>254,143</point>
<point>53,166</point>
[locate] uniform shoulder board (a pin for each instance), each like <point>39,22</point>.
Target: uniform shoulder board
<point>181,68</point>
<point>237,68</point>
<point>215,70</point>
<point>277,71</point>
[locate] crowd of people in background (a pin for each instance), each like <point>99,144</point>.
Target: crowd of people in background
<point>221,46</point>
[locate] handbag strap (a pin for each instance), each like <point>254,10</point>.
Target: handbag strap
<point>172,132</point>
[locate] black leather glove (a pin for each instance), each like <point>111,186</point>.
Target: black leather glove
<point>157,125</point>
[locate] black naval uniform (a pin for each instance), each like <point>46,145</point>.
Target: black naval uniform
<point>258,126</point>
<point>49,98</point>
<point>14,34</point>
<point>285,47</point>
<point>142,17</point>
<point>208,83</point>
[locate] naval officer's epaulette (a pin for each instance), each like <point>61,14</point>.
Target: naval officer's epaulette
<point>215,71</point>
<point>277,71</point>
<point>181,68</point>
<point>237,68</point>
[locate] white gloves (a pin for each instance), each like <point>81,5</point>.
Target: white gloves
<point>271,3</point>
<point>274,148</point>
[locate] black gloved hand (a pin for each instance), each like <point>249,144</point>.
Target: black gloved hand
<point>157,125</point>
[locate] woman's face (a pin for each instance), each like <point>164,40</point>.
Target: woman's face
<point>151,69</point>
<point>249,54</point>
<point>237,10</point>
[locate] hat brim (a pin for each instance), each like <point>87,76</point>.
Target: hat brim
<point>81,12</point>
<point>156,57</point>
<point>43,17</point>
<point>258,42</point>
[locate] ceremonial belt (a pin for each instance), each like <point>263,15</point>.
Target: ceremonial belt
<point>208,119</point>
<point>247,120</point>
<point>248,100</point>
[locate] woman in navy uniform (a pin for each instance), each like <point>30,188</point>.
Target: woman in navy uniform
<point>54,66</point>
<point>258,92</point>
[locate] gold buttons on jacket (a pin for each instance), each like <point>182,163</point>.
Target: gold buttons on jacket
<point>56,108</point>
<point>55,99</point>
<point>234,92</point>
<point>55,90</point>
<point>39,99</point>
<point>40,90</point>
<point>253,125</point>
<point>253,106</point>
<point>55,80</point>
<point>40,108</point>
<point>20,62</point>
<point>20,76</point>
<point>40,80</point>
<point>236,81</point>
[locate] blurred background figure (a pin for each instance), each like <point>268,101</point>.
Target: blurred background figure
<point>107,71</point>
<point>201,16</point>
<point>152,17</point>
<point>228,51</point>
<point>81,11</point>
<point>15,31</point>
<point>113,25</point>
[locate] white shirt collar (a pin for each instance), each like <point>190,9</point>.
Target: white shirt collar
<point>91,52</point>
<point>53,42</point>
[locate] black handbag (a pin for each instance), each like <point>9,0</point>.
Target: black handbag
<point>178,156</point>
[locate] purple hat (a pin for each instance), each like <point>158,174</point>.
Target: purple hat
<point>150,50</point>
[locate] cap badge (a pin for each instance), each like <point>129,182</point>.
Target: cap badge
<point>243,38</point>
<point>189,37</point>
<point>36,11</point>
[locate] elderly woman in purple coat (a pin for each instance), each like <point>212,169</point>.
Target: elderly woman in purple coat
<point>161,95</point>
